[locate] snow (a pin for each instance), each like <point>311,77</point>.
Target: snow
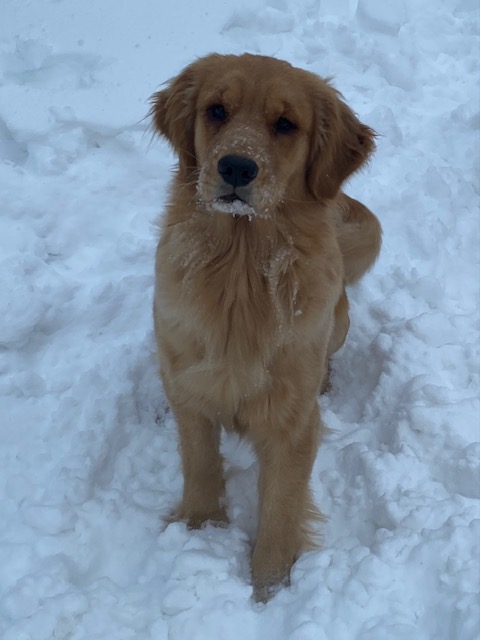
<point>233,208</point>
<point>88,454</point>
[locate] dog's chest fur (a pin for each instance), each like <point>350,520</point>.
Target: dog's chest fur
<point>227,301</point>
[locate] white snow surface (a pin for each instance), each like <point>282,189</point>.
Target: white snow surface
<point>88,453</point>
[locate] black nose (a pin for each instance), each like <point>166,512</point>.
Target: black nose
<point>236,170</point>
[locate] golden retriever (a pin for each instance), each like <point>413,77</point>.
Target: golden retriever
<point>256,248</point>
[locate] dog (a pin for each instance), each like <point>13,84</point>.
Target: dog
<point>257,245</point>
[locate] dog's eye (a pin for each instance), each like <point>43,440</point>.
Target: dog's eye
<point>283,125</point>
<point>217,112</point>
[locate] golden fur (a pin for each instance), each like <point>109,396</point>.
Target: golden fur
<point>250,295</point>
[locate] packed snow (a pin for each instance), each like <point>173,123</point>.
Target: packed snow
<point>88,454</point>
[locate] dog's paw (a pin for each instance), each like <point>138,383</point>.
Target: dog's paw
<point>269,574</point>
<point>263,591</point>
<point>197,519</point>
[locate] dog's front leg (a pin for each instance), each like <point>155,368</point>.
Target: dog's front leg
<point>286,459</point>
<point>204,487</point>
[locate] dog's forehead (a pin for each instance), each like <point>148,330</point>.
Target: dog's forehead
<point>257,81</point>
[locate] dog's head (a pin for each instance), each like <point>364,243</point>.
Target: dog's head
<point>252,131</point>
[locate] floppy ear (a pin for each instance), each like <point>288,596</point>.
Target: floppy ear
<point>173,114</point>
<point>341,146</point>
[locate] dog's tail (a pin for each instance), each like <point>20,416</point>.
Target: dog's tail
<point>359,236</point>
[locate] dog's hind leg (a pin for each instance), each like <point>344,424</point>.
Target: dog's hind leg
<point>339,333</point>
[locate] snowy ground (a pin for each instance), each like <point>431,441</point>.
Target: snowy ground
<point>88,457</point>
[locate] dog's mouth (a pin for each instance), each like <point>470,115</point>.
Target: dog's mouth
<point>234,205</point>
<point>230,197</point>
